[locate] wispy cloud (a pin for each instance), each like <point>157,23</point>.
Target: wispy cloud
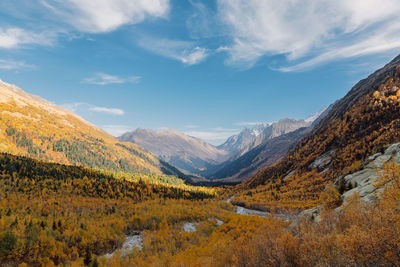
<point>14,65</point>
<point>191,126</point>
<point>184,51</point>
<point>101,78</point>
<point>214,136</point>
<point>113,111</point>
<point>309,32</point>
<point>248,123</point>
<point>105,15</point>
<point>17,37</point>
<point>117,130</point>
<point>82,106</point>
<point>203,21</point>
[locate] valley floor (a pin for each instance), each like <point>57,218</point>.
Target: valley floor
<point>69,216</point>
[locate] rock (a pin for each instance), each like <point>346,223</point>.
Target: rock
<point>130,242</point>
<point>380,161</point>
<point>393,149</point>
<point>190,227</point>
<point>219,222</point>
<point>290,174</point>
<point>366,179</point>
<point>322,161</point>
<point>313,213</point>
<point>373,157</point>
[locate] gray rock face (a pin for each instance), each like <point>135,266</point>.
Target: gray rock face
<point>190,227</point>
<point>131,241</point>
<point>322,161</point>
<point>364,181</point>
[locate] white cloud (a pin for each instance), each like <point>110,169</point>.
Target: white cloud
<point>202,22</point>
<point>117,130</point>
<point>191,126</point>
<point>96,16</point>
<point>82,106</point>
<point>214,136</point>
<point>104,79</point>
<point>309,31</point>
<point>15,37</point>
<point>184,51</point>
<point>14,65</point>
<point>113,111</point>
<point>248,123</point>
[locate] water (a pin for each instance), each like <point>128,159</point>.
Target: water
<point>249,212</point>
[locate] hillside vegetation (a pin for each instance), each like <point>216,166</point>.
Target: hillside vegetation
<point>361,124</point>
<point>53,213</point>
<point>31,126</point>
<point>72,222</point>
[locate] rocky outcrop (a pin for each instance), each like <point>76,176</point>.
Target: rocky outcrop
<point>362,182</point>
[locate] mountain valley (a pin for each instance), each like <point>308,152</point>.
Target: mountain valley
<point>227,133</point>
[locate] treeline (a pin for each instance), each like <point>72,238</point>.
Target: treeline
<point>20,174</point>
<point>54,214</point>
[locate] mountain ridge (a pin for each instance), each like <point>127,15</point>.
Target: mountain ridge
<point>360,124</point>
<point>32,126</point>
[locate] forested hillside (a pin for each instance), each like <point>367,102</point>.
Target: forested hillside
<point>31,126</point>
<point>362,123</point>
<point>53,213</point>
<point>50,215</point>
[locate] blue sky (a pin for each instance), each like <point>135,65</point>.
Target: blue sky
<point>208,68</point>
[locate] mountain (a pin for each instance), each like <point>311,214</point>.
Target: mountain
<point>276,129</point>
<point>239,142</point>
<point>266,148</point>
<point>31,126</point>
<point>360,124</point>
<point>266,154</point>
<point>185,152</point>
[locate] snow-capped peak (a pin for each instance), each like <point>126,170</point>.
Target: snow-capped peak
<point>315,116</point>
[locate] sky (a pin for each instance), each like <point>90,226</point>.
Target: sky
<point>207,68</point>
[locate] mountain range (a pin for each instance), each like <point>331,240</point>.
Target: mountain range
<point>234,160</point>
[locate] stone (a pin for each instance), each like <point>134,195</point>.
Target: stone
<point>373,157</point>
<point>380,161</point>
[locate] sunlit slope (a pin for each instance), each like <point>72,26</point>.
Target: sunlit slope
<point>361,124</point>
<point>31,126</point>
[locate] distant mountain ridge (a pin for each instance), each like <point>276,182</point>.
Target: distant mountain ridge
<point>185,152</point>
<point>238,142</point>
<point>267,148</point>
<point>31,126</point>
<point>195,156</point>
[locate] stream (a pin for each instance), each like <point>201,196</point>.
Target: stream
<point>136,241</point>
<point>250,212</point>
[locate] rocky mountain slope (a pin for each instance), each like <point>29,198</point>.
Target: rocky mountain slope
<point>236,159</point>
<point>240,142</point>
<point>185,152</point>
<point>266,154</point>
<point>31,126</point>
<point>360,124</point>
<point>267,148</point>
